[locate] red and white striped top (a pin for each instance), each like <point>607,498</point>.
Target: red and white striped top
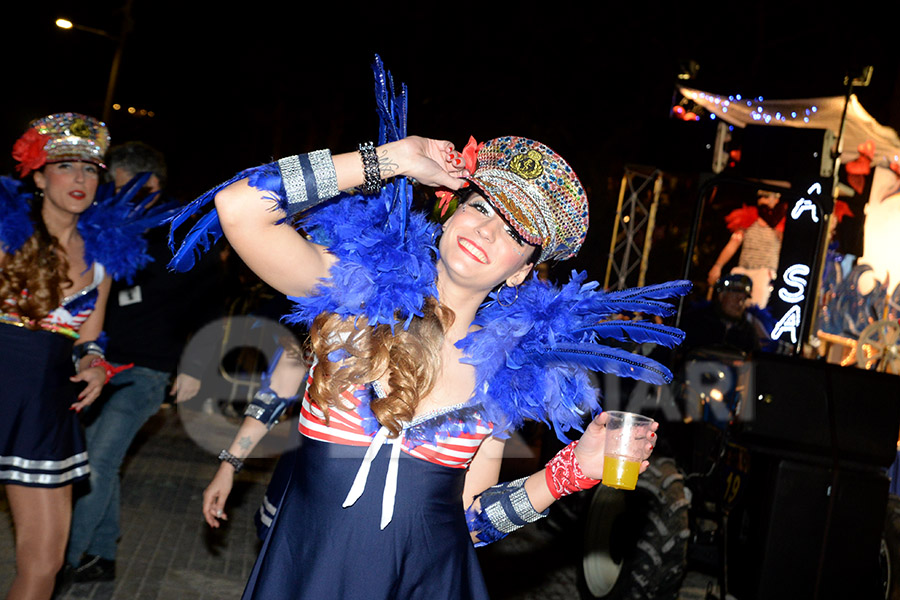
<point>74,310</point>
<point>345,427</point>
<point>70,315</point>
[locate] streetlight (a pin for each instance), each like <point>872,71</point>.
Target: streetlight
<point>67,24</point>
<point>117,57</point>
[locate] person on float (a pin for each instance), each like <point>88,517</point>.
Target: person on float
<point>757,232</point>
<point>61,241</point>
<point>417,381</point>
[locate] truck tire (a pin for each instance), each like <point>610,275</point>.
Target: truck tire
<point>890,550</point>
<point>635,543</point>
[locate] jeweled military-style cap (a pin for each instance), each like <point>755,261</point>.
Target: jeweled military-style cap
<point>537,191</point>
<point>61,137</point>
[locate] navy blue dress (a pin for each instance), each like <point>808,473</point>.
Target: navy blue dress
<point>41,440</point>
<point>318,550</point>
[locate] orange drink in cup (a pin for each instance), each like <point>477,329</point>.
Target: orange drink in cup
<point>626,440</point>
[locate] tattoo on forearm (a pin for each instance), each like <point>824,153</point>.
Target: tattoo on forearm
<point>386,166</point>
<point>244,443</point>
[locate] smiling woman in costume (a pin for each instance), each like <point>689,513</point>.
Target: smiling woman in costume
<point>429,351</point>
<point>58,249</point>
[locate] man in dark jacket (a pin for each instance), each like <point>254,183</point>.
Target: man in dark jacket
<point>148,322</point>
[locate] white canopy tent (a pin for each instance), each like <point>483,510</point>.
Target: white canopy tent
<point>819,113</point>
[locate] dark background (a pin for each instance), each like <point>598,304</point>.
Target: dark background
<point>234,86</point>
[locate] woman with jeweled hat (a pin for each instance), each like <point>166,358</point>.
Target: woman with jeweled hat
<point>62,237</point>
<point>432,344</point>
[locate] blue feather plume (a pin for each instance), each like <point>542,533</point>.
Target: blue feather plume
<point>639,332</point>
<point>531,358</point>
<point>607,359</point>
<point>207,230</point>
<point>15,218</point>
<point>391,109</point>
<point>199,239</point>
<point>114,226</point>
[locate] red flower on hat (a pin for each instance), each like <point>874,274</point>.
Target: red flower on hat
<point>29,152</point>
<point>470,154</point>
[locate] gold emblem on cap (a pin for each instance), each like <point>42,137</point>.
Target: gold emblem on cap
<point>80,128</point>
<point>528,165</point>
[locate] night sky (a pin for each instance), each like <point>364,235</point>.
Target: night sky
<point>231,89</point>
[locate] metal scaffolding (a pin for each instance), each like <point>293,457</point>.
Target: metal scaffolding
<point>632,235</point>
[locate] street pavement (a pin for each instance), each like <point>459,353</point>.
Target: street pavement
<point>167,552</point>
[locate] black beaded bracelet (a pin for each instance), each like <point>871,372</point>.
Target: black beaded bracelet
<point>370,169</point>
<point>231,459</point>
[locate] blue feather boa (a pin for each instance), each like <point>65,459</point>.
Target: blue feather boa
<point>112,228</point>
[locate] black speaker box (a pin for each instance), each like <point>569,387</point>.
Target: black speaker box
<point>820,409</point>
<point>785,153</point>
<point>679,146</point>
<point>806,531</point>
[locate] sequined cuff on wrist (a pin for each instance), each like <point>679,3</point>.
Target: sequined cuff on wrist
<point>81,350</point>
<point>308,180</point>
<point>267,407</point>
<point>503,508</point>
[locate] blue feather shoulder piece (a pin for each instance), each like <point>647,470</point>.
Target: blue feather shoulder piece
<point>15,220</point>
<point>532,358</point>
<point>380,274</point>
<point>113,228</point>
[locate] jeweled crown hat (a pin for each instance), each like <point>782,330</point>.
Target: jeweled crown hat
<point>61,137</point>
<point>537,191</point>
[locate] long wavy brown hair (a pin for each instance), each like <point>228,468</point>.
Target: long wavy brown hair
<point>40,267</point>
<point>411,358</point>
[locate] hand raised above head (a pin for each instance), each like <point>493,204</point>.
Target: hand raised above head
<point>430,162</point>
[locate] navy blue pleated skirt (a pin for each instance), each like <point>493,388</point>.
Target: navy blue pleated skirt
<point>318,550</point>
<point>41,440</point>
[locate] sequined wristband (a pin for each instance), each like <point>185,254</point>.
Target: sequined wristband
<point>308,180</point>
<point>267,406</point>
<point>504,508</point>
<point>82,350</point>
<point>564,474</point>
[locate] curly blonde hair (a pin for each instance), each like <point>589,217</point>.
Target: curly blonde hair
<point>38,267</point>
<point>411,358</point>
